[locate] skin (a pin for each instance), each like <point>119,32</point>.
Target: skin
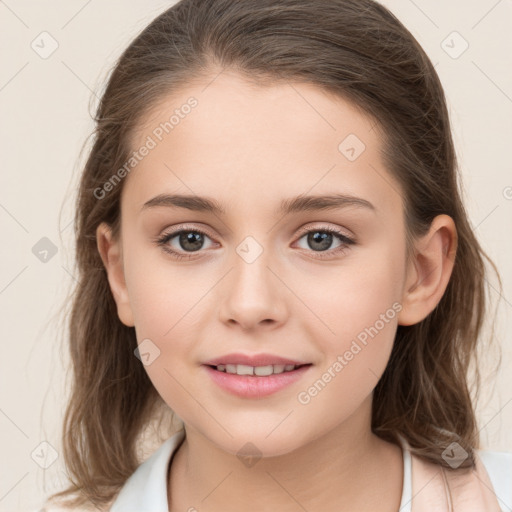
<point>249,147</point>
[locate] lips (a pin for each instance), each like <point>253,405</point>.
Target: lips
<point>255,386</point>
<point>255,375</point>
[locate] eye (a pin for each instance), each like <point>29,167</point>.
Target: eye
<point>321,240</point>
<point>182,240</point>
<point>185,240</point>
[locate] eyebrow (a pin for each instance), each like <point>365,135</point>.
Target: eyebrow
<point>291,205</point>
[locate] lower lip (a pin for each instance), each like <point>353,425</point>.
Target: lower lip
<point>251,386</point>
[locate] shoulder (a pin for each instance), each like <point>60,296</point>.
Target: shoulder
<point>499,468</point>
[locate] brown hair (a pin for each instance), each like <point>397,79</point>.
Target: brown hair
<point>355,49</point>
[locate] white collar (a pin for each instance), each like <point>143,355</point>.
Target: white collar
<point>146,489</point>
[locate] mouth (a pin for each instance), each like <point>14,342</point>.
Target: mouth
<point>255,375</point>
<point>257,371</point>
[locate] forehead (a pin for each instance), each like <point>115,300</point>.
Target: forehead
<point>244,141</point>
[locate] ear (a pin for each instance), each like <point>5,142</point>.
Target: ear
<point>429,270</point>
<point>111,255</point>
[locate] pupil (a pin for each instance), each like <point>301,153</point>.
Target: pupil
<point>194,239</point>
<point>321,238</point>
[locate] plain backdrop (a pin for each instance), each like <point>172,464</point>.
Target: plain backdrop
<point>44,108</point>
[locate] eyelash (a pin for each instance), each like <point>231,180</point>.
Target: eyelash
<point>166,237</point>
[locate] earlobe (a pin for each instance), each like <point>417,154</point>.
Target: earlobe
<point>429,271</point>
<point>111,255</point>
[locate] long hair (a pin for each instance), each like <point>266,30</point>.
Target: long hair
<point>355,49</point>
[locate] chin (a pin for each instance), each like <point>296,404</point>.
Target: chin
<point>258,444</point>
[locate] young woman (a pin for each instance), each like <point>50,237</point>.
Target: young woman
<point>272,245</point>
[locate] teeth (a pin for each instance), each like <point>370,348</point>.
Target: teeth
<point>263,371</point>
<point>242,369</point>
<point>260,371</point>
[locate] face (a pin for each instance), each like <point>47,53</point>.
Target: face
<point>319,285</point>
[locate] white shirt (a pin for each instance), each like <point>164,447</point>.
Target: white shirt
<point>146,489</point>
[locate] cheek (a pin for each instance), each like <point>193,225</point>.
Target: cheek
<point>168,303</point>
<point>164,295</point>
<point>358,305</point>
<point>354,360</point>
<point>361,294</point>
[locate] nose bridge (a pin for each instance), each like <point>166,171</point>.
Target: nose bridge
<point>252,292</point>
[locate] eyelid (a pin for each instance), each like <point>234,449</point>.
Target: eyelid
<point>325,227</point>
<point>186,227</point>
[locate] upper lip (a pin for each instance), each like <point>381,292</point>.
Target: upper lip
<point>253,360</point>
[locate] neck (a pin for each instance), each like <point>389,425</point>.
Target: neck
<point>348,467</point>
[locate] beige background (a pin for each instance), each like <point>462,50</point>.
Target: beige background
<point>44,105</point>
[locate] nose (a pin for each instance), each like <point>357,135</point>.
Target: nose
<point>253,295</point>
